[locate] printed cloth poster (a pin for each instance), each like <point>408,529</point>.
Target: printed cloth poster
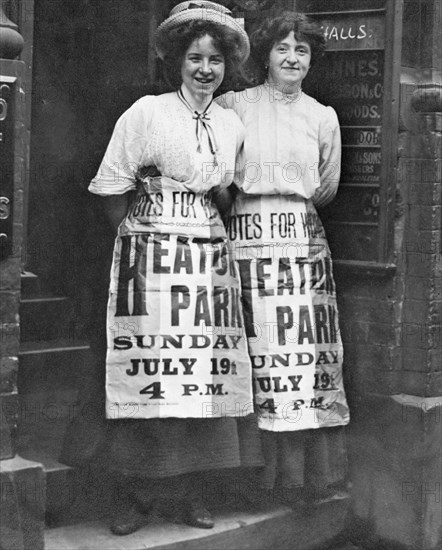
<point>290,312</point>
<point>175,329</point>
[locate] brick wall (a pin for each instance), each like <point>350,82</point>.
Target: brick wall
<point>420,170</point>
<point>10,275</point>
<point>392,327</point>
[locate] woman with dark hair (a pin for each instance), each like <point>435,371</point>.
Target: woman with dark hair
<point>290,164</point>
<point>177,369</point>
<point>178,39</point>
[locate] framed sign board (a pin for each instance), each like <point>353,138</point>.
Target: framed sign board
<point>359,77</point>
<point>11,149</point>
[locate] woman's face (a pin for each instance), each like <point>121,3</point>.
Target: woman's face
<point>203,66</point>
<point>289,62</point>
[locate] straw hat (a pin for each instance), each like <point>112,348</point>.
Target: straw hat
<point>200,11</point>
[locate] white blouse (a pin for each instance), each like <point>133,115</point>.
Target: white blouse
<point>160,131</point>
<point>292,143</point>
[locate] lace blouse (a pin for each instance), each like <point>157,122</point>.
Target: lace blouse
<point>160,131</point>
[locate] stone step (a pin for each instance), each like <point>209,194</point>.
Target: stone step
<point>72,495</point>
<point>306,528</point>
<point>48,364</point>
<point>58,476</point>
<point>22,508</point>
<point>44,318</point>
<point>30,284</point>
<point>48,381</point>
<point>49,376</point>
<point>53,346</point>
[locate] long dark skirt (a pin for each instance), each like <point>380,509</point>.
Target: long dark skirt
<point>154,448</point>
<point>314,459</point>
<point>166,448</point>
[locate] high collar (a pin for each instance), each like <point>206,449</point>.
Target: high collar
<point>277,95</point>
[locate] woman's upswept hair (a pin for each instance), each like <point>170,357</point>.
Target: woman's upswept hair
<point>181,37</point>
<point>274,29</point>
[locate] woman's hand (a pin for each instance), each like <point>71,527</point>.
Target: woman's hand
<point>330,161</point>
<point>325,194</point>
<point>223,198</point>
<point>115,208</point>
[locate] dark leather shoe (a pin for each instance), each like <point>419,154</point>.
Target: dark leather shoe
<point>196,514</point>
<point>128,521</point>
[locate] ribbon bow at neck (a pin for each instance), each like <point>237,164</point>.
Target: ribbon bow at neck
<point>202,124</point>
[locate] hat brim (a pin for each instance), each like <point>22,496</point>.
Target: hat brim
<point>200,14</point>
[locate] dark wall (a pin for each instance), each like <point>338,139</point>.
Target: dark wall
<point>92,60</point>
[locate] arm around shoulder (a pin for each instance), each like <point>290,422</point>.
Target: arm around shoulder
<point>226,101</point>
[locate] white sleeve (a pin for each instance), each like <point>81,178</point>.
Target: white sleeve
<point>329,159</point>
<point>126,151</point>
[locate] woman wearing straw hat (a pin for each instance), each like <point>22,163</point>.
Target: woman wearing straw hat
<point>178,387</point>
